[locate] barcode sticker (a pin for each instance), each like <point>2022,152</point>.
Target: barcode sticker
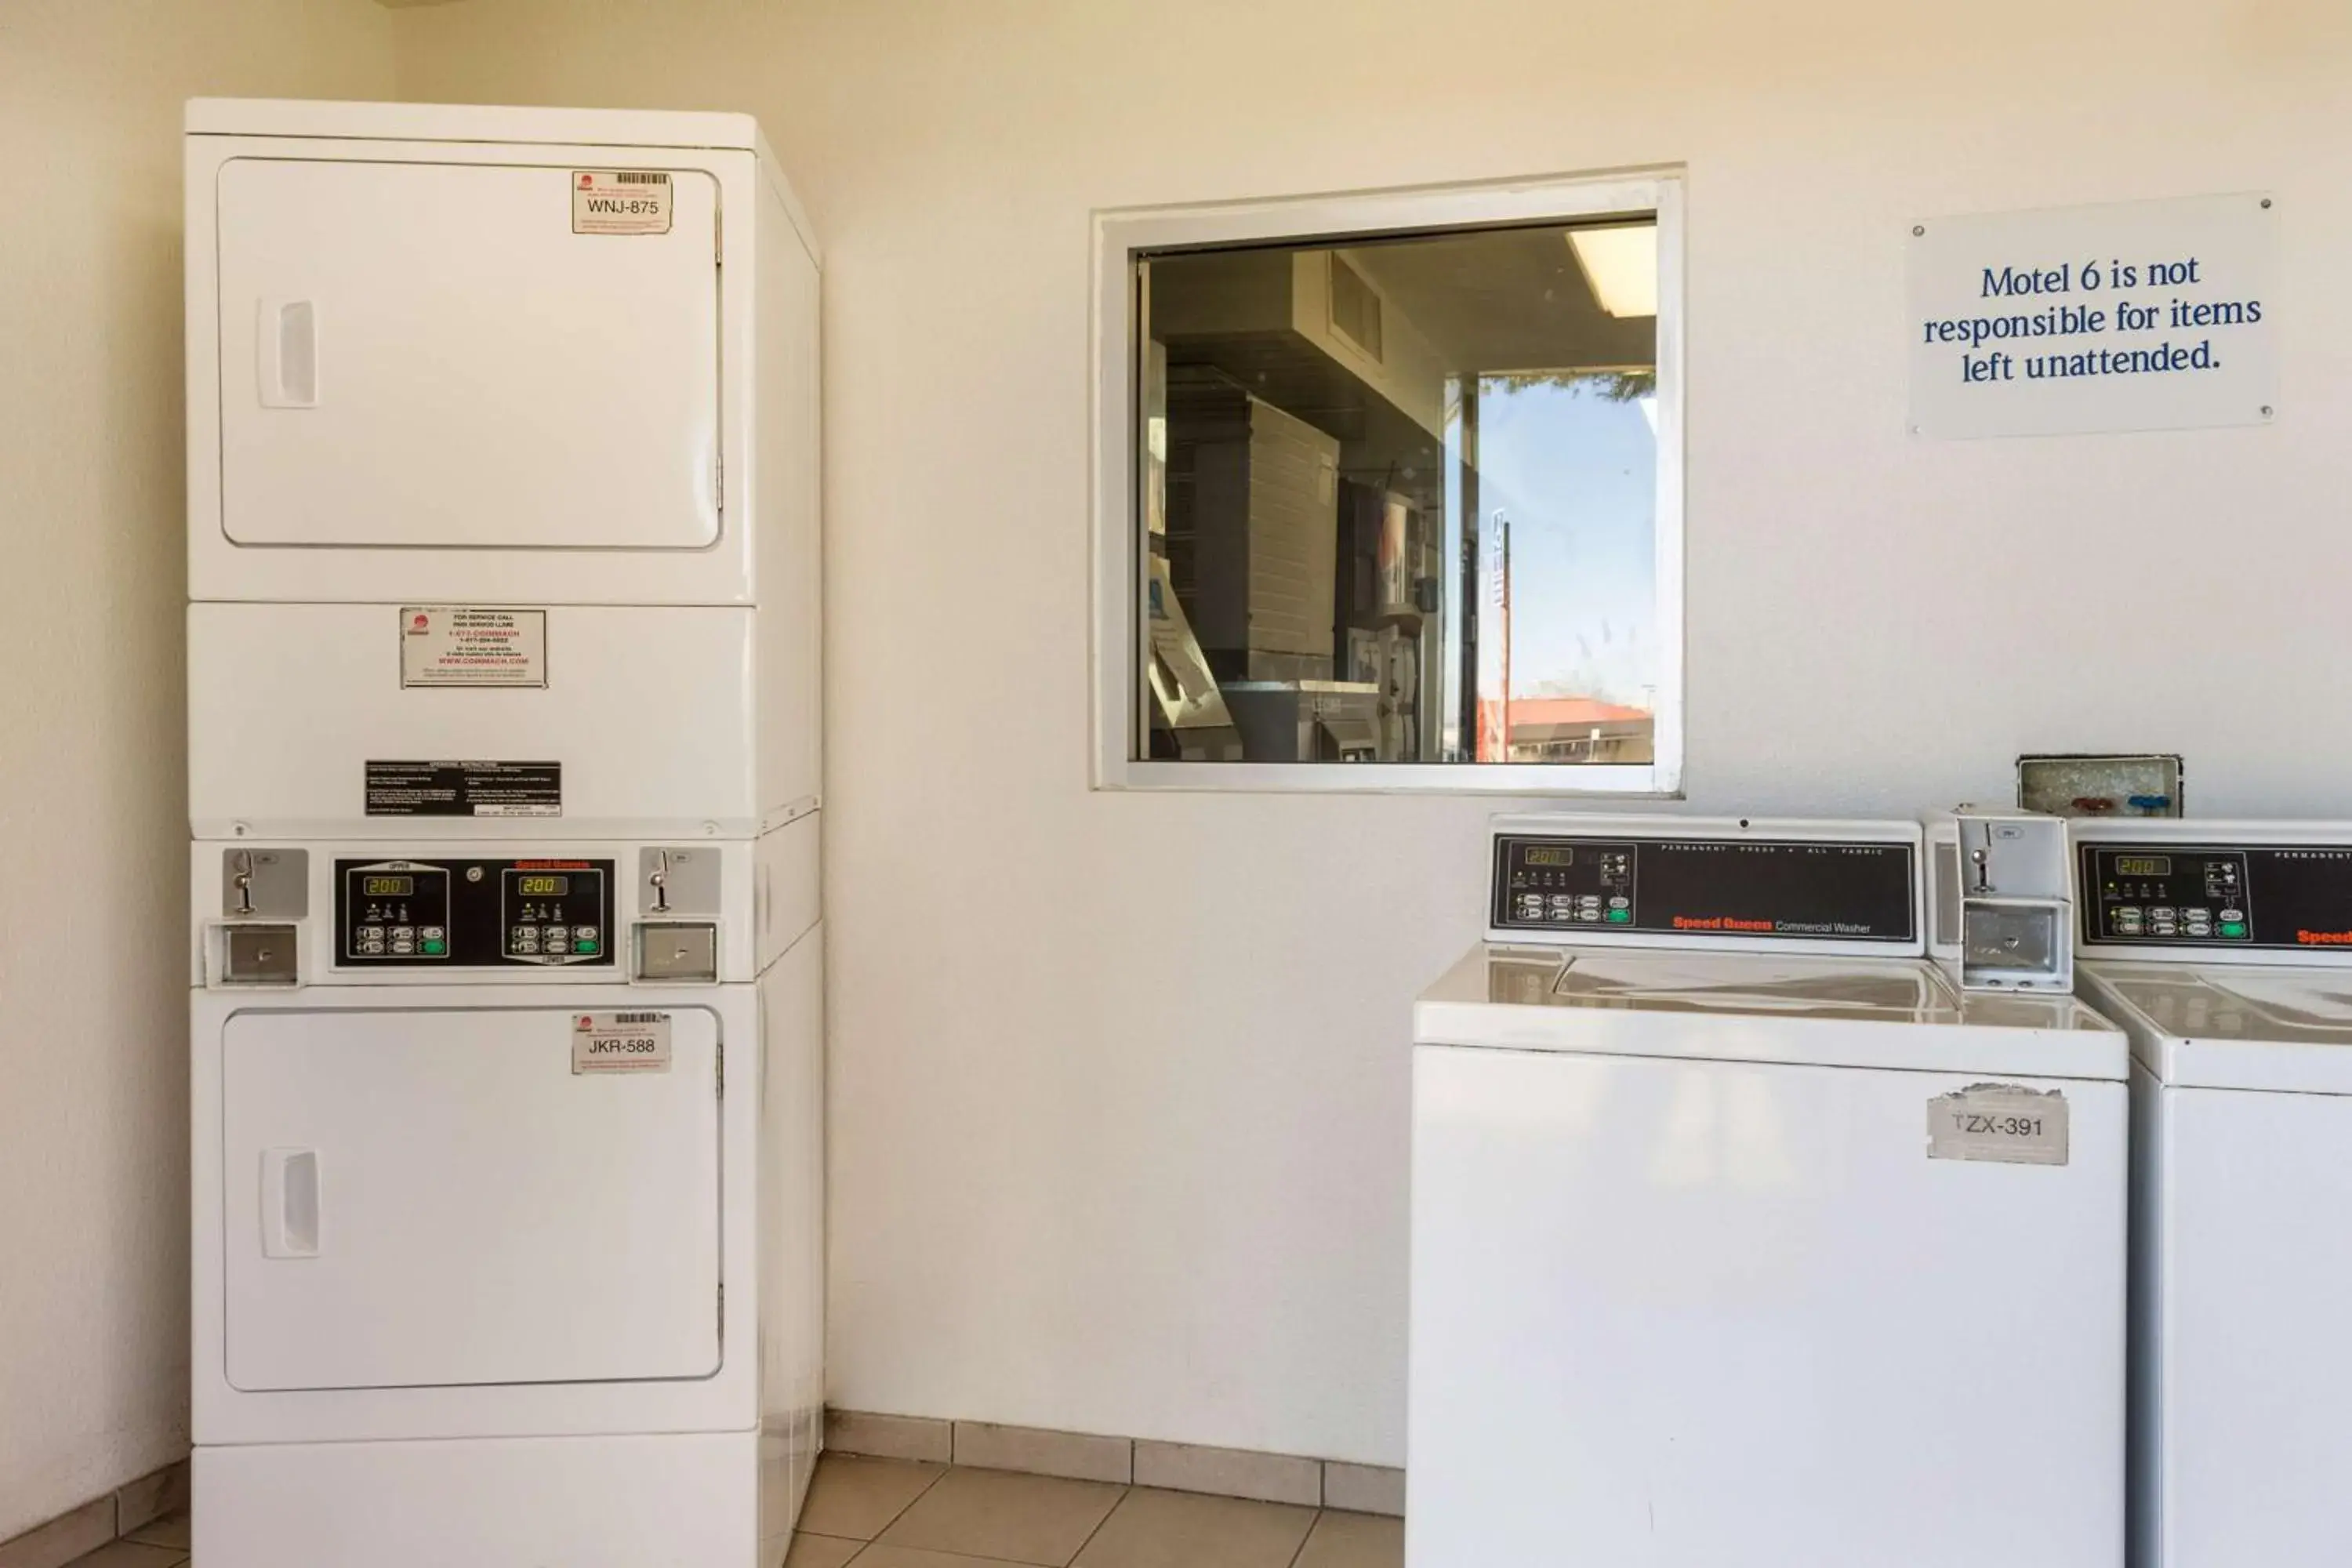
<point>620,1041</point>
<point>620,201</point>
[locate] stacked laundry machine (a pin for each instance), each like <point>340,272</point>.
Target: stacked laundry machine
<point>503,665</point>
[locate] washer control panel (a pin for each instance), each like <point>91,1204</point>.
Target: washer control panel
<point>1816,889</point>
<point>473,912</point>
<point>2167,895</point>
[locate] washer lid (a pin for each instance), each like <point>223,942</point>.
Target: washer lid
<point>1889,1012</point>
<point>2288,1030</point>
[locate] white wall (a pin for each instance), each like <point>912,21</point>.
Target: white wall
<point>93,804</point>
<point>1119,1081</point>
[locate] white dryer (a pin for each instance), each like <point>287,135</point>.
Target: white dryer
<point>507,1207</point>
<point>503,486</point>
<point>2225,950</point>
<point>1741,1234</point>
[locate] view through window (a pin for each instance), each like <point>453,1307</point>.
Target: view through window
<point>1399,498</point>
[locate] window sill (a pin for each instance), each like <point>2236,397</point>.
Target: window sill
<point>1610,781</point>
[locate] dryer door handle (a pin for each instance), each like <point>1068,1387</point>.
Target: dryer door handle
<point>289,1203</point>
<point>287,353</point>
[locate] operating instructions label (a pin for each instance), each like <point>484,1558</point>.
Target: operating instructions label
<point>465,789</point>
<point>2129,316</point>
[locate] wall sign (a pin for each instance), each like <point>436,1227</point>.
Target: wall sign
<point>2135,315</point>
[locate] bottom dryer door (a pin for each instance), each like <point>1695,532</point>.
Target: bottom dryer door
<point>441,1197</point>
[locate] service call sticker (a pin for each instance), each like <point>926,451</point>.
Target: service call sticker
<point>2005,1122</point>
<point>466,645</point>
<point>620,1041</point>
<point>620,201</point>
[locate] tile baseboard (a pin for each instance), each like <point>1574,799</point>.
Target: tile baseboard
<point>1074,1456</point>
<point>81,1530</point>
<point>1141,1462</point>
<point>923,1438</point>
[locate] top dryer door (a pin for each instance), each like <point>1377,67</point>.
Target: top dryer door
<point>435,372</point>
<point>428,355</point>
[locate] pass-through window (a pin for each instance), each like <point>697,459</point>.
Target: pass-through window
<point>1404,500</point>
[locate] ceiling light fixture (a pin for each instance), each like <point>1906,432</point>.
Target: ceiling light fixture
<point>1620,266</point>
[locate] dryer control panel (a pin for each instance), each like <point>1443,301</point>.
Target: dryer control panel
<point>2173,894</point>
<point>472,912</point>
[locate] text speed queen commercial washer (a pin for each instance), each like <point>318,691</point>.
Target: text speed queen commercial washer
<point>1741,1234</point>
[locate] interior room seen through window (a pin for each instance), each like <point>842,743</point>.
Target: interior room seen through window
<point>1399,498</point>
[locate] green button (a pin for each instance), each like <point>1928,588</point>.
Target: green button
<point>1619,917</point>
<point>584,947</point>
<point>434,949</point>
<point>2233,928</point>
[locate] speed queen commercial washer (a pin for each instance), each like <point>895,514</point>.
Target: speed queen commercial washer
<point>1741,1234</point>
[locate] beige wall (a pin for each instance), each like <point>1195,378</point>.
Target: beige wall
<point>1119,1081</point>
<point>93,812</point>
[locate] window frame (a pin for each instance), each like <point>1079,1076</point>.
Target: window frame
<point>1119,645</point>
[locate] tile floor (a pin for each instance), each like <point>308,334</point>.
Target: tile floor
<point>890,1513</point>
<point>160,1543</point>
<point>894,1513</point>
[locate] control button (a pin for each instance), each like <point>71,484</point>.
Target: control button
<point>433,947</point>
<point>1560,914</point>
<point>404,949</point>
<point>2233,914</point>
<point>529,944</point>
<point>556,936</point>
<point>404,933</point>
<point>1562,901</point>
<point>1619,902</point>
<point>1593,915</point>
<point>584,934</point>
<point>1619,917</point>
<point>373,946</point>
<point>586,945</point>
<point>2233,928</point>
<point>524,933</point>
<point>1590,901</point>
<point>368,933</point>
<point>2162,912</point>
<point>431,934</point>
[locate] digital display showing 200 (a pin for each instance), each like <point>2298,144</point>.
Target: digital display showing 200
<point>387,887</point>
<point>1550,854</point>
<point>534,886</point>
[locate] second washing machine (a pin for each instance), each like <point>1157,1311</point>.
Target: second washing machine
<point>2225,949</point>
